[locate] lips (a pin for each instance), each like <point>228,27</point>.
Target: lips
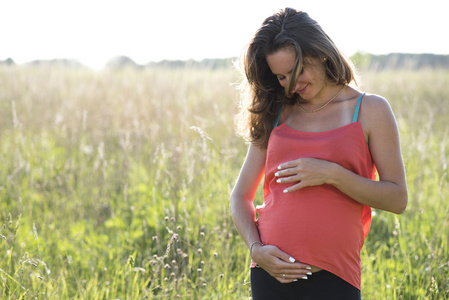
<point>302,91</point>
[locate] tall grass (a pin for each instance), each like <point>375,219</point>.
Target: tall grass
<point>115,185</point>
<point>407,257</point>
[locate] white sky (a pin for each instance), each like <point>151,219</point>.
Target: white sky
<point>93,31</point>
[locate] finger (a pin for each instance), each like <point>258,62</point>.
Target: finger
<point>289,179</point>
<point>280,279</point>
<point>283,256</point>
<point>295,187</point>
<point>293,267</point>
<point>286,278</point>
<point>289,164</point>
<point>285,264</point>
<point>300,185</point>
<point>303,266</point>
<point>284,173</point>
<point>301,272</point>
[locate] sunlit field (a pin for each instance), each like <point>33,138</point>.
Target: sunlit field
<point>115,185</point>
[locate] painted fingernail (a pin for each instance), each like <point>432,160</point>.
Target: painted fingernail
<point>309,273</point>
<point>285,191</point>
<point>308,268</point>
<point>294,280</point>
<point>305,277</point>
<point>291,259</point>
<point>276,174</point>
<point>279,181</point>
<point>279,167</point>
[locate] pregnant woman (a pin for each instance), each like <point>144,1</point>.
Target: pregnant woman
<point>316,143</point>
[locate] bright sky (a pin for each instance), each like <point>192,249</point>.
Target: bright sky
<point>93,31</point>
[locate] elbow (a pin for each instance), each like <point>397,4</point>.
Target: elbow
<point>233,201</point>
<point>239,204</point>
<point>400,210</point>
<point>402,201</point>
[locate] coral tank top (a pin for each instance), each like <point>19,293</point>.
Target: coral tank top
<point>317,225</point>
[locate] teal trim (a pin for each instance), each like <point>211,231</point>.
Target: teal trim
<point>278,117</point>
<point>357,109</point>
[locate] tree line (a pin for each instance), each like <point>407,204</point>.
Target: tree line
<point>362,61</point>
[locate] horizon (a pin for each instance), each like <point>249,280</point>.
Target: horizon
<point>59,60</point>
<point>93,33</point>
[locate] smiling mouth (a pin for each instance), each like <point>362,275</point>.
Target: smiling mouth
<point>303,90</point>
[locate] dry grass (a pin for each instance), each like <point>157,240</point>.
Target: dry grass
<point>115,184</point>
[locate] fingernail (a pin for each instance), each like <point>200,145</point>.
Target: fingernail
<point>285,191</point>
<point>305,277</point>
<point>309,273</point>
<point>309,268</point>
<point>276,174</point>
<point>291,259</point>
<point>279,167</point>
<point>278,181</point>
<point>294,280</point>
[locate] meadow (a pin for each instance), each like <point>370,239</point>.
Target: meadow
<point>115,184</point>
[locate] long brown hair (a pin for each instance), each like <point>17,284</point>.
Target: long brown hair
<point>262,95</point>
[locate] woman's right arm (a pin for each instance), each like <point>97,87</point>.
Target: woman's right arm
<point>242,197</point>
<point>276,262</point>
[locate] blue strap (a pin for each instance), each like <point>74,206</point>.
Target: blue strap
<point>278,117</point>
<point>357,109</point>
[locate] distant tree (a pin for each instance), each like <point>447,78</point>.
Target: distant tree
<point>64,63</point>
<point>404,61</point>
<point>120,62</point>
<point>7,62</point>
<point>362,60</point>
<point>207,63</point>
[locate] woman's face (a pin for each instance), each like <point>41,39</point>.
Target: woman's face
<point>311,80</point>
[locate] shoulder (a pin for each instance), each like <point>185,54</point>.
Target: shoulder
<point>375,103</point>
<point>375,108</point>
<point>376,115</point>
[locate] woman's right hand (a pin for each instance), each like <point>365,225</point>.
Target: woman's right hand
<point>279,264</point>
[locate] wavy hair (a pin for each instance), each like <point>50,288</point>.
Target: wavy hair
<point>262,95</point>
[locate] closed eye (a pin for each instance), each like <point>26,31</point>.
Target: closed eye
<point>281,77</point>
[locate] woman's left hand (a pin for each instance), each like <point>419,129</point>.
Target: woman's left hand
<point>306,171</point>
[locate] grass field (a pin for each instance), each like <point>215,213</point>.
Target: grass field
<point>115,185</point>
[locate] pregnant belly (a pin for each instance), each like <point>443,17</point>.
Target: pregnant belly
<point>305,226</point>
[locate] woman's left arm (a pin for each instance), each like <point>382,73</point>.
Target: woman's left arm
<point>390,192</point>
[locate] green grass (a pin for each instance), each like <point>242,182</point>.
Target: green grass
<point>115,185</point>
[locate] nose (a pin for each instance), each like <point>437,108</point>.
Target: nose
<point>296,87</point>
<point>285,82</point>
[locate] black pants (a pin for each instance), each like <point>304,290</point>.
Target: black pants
<point>322,285</point>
